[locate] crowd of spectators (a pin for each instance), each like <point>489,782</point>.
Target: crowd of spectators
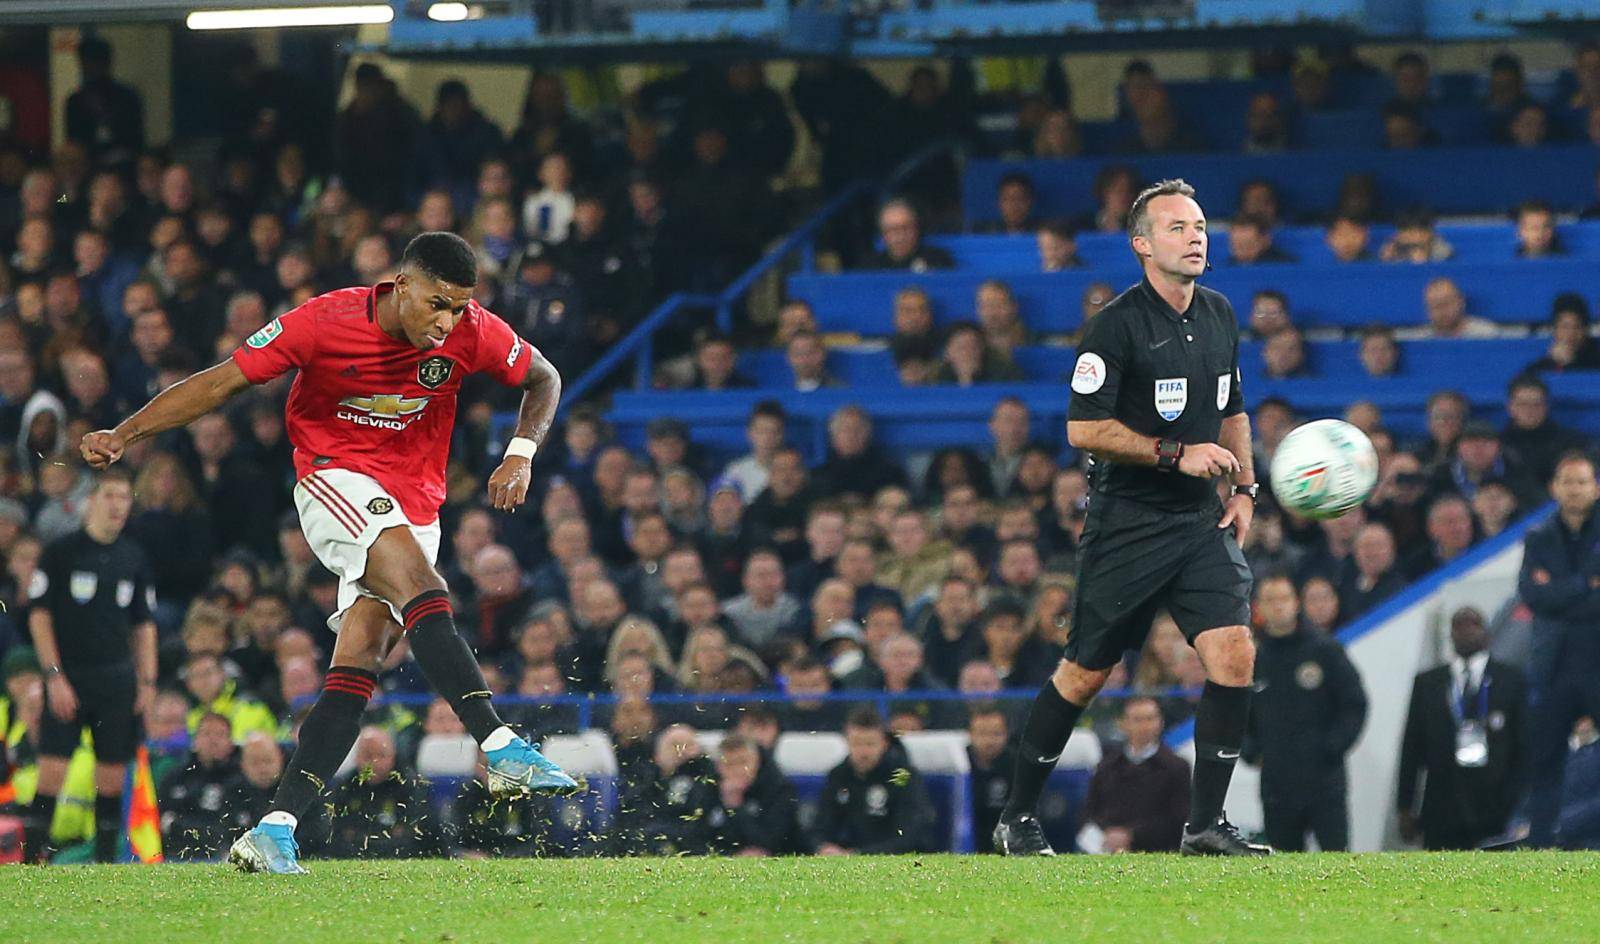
<point>894,581</point>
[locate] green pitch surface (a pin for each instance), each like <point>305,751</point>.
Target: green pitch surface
<point>1546,897</point>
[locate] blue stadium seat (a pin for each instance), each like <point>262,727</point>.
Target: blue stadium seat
<point>1447,180</point>
<point>1493,361</point>
<point>1473,242</point>
<point>927,418</point>
<point>1511,292</point>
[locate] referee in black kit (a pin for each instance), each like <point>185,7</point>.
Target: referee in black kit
<point>1156,402</point>
<point>91,626</point>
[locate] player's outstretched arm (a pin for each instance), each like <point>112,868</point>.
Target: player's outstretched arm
<point>186,400</point>
<point>541,392</point>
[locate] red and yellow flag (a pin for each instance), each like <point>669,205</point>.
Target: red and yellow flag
<point>144,820</point>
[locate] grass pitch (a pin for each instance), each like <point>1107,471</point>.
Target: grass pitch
<point>1457,898</point>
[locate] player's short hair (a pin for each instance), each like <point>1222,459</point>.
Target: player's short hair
<point>444,256</point>
<point>1139,213</point>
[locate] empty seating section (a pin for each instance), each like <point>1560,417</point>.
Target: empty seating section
<point>1446,180</point>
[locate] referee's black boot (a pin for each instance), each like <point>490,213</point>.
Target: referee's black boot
<point>1021,835</point>
<point>1221,838</point>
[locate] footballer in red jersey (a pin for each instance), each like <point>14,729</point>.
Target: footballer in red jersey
<point>370,416</point>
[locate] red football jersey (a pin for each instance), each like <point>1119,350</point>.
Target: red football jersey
<point>373,404</point>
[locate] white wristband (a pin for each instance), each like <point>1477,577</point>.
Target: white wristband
<point>522,447</point>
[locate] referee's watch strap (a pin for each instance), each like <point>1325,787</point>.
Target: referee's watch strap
<point>1168,452</point>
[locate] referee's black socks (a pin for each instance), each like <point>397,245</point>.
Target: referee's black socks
<point>1044,737</point>
<point>448,663</point>
<point>1219,724</point>
<point>36,836</point>
<point>328,732</point>
<point>107,826</point>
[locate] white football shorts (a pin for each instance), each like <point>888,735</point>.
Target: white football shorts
<point>342,513</point>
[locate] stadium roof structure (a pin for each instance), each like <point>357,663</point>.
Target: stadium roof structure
<point>645,29</point>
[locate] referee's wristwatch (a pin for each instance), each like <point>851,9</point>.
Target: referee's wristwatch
<point>1253,490</point>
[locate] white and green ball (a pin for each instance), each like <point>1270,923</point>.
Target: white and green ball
<point>1323,469</point>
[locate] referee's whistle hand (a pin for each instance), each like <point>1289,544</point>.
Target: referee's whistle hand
<point>1207,461</point>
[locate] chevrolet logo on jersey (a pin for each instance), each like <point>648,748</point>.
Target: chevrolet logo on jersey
<point>381,410</point>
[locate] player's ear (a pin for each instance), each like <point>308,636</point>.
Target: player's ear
<point>1141,246</point>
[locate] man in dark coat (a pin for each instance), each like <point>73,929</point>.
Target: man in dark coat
<point>1464,738</point>
<point>1309,710</point>
<point>1560,583</point>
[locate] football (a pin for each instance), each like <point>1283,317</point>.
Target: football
<point>1323,469</point>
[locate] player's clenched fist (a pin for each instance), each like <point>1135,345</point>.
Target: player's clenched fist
<point>508,486</point>
<point>1207,461</point>
<point>101,448</point>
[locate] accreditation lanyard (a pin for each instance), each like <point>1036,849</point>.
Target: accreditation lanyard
<point>1472,736</point>
<point>1458,708</point>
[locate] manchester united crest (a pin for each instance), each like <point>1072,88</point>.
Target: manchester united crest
<point>380,506</point>
<point>434,371</point>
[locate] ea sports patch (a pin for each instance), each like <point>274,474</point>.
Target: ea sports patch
<point>380,506</point>
<point>1309,676</point>
<point>434,371</point>
<point>1090,374</point>
<point>268,333</point>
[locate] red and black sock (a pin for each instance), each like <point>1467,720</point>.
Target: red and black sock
<point>326,736</point>
<point>448,663</point>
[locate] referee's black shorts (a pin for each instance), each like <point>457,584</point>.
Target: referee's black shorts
<point>105,707</point>
<point>1134,560</point>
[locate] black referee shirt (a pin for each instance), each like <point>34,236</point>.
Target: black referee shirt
<point>95,594</point>
<point>1162,374</point>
